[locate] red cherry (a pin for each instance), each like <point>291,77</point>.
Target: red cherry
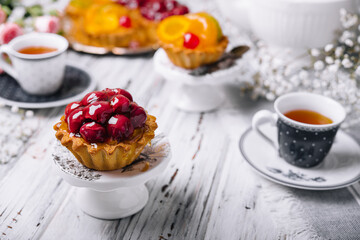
<point>75,119</point>
<point>98,111</point>
<point>93,96</point>
<point>93,132</point>
<point>110,92</point>
<point>170,4</point>
<point>119,127</point>
<point>125,22</point>
<point>120,104</point>
<point>71,107</point>
<point>137,116</point>
<point>132,4</point>
<point>191,41</point>
<point>180,10</point>
<point>126,94</point>
<point>147,13</point>
<point>157,6</point>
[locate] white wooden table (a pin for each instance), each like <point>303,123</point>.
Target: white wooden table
<point>207,192</point>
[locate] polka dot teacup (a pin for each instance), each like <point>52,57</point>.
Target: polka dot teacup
<point>301,144</point>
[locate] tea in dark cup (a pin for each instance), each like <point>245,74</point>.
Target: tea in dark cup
<point>307,116</point>
<point>306,127</point>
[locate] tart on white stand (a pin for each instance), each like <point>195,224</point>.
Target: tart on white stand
<point>198,93</point>
<point>113,194</point>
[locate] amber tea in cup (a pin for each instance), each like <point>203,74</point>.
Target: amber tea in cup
<point>307,116</point>
<point>37,62</point>
<point>306,127</point>
<point>36,50</point>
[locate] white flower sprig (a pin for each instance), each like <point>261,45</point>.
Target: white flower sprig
<point>334,71</point>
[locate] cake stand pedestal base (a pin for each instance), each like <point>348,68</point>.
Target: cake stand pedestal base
<point>113,194</point>
<point>120,203</point>
<point>198,98</point>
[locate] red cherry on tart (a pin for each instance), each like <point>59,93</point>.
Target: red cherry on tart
<point>137,116</point>
<point>98,111</point>
<point>120,104</point>
<point>180,10</point>
<point>71,107</point>
<point>119,127</point>
<point>93,96</point>
<point>109,132</point>
<point>125,22</point>
<point>108,114</point>
<point>116,91</point>
<point>93,132</point>
<point>191,41</point>
<point>75,119</point>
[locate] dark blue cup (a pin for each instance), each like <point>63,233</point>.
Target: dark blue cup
<point>301,144</point>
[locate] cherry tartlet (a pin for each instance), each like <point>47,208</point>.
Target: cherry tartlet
<point>106,130</point>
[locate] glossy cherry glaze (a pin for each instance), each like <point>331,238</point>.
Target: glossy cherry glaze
<point>93,132</point>
<point>120,127</point>
<point>105,115</point>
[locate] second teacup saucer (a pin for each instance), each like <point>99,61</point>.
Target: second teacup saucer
<point>77,82</point>
<point>339,169</point>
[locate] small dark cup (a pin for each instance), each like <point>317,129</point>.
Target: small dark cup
<point>300,144</point>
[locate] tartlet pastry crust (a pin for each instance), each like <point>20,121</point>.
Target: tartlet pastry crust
<point>110,155</point>
<point>190,59</point>
<point>142,34</point>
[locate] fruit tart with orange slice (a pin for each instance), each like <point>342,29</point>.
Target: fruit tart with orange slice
<point>106,130</point>
<point>192,40</point>
<point>122,23</point>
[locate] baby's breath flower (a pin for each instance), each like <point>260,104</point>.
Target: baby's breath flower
<point>270,96</point>
<point>349,42</point>
<point>329,60</point>
<point>347,63</point>
<point>315,52</point>
<point>328,47</point>
<point>339,51</point>
<point>333,68</point>
<point>29,113</point>
<point>319,65</point>
<point>303,74</point>
<point>357,71</point>
<point>14,109</point>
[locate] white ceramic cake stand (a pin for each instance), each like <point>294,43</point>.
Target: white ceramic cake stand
<point>197,93</point>
<point>113,194</point>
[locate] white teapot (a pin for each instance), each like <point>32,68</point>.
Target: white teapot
<point>289,23</point>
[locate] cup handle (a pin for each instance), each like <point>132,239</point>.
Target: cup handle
<point>8,68</point>
<point>261,117</point>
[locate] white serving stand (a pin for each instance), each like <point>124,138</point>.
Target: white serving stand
<point>197,93</point>
<point>113,194</point>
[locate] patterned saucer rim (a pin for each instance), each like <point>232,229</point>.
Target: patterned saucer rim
<point>285,183</point>
<point>56,103</point>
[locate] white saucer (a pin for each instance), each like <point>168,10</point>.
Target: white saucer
<point>77,82</point>
<point>339,169</point>
<point>199,93</point>
<point>113,194</point>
